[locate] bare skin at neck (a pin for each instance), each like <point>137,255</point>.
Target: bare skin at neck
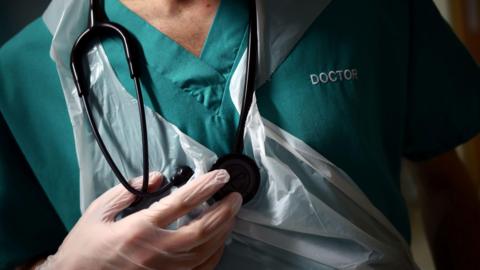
<point>187,22</point>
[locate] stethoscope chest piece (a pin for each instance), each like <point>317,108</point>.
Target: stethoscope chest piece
<point>244,172</point>
<point>244,176</point>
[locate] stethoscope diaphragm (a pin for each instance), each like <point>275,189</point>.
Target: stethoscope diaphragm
<point>244,176</point>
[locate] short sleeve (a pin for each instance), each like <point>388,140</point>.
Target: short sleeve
<point>29,227</point>
<point>443,99</point>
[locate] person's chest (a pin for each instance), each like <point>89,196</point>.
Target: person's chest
<point>339,90</point>
<point>342,90</point>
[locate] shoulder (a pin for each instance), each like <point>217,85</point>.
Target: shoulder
<point>27,51</point>
<point>34,36</point>
<point>26,68</point>
<point>29,83</point>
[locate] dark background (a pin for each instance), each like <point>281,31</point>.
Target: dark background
<point>16,14</point>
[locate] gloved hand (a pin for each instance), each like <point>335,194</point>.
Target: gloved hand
<point>140,240</point>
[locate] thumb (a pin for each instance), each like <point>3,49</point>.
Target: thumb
<point>109,204</point>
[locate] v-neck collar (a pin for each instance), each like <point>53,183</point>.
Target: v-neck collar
<point>218,52</point>
<point>224,39</point>
<point>190,92</point>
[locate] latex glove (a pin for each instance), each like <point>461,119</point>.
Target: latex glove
<point>139,241</point>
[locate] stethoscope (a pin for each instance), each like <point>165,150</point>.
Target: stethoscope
<point>244,172</point>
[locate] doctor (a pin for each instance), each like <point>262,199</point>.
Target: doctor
<point>413,92</point>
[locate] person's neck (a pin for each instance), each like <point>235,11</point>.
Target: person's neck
<point>171,8</point>
<point>185,21</point>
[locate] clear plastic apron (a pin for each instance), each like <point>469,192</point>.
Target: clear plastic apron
<point>308,214</point>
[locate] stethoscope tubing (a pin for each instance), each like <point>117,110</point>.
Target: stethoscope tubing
<point>98,26</point>
<point>249,91</point>
<point>143,192</point>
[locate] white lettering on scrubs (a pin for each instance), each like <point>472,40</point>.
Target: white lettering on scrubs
<point>334,76</point>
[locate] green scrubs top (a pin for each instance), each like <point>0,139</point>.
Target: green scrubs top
<point>365,86</point>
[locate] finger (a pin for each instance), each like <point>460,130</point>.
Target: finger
<point>109,204</point>
<point>192,258</point>
<point>213,261</point>
<point>207,250</point>
<point>208,225</point>
<point>185,199</point>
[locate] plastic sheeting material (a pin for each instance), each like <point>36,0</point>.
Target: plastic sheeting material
<point>308,214</point>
